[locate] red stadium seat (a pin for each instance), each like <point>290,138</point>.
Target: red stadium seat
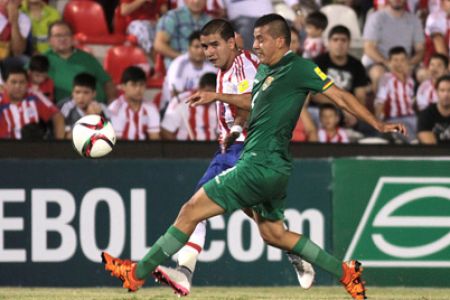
<point>87,17</point>
<point>157,79</point>
<point>119,22</point>
<point>118,58</point>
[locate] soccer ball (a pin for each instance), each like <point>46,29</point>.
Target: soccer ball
<point>93,136</point>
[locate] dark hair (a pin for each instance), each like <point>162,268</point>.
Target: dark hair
<point>317,19</point>
<point>326,106</point>
<point>193,36</point>
<point>220,26</point>
<point>397,50</point>
<point>85,80</point>
<point>278,27</point>
<point>339,29</point>
<point>442,57</point>
<point>134,74</point>
<point>208,80</point>
<point>441,79</point>
<point>39,63</point>
<point>59,23</point>
<point>294,30</point>
<point>14,70</point>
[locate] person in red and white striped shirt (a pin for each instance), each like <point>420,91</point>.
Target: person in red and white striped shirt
<point>182,122</point>
<point>329,131</point>
<point>21,109</point>
<point>316,22</point>
<point>426,94</point>
<point>394,98</point>
<point>132,117</point>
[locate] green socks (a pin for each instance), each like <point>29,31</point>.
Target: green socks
<point>166,246</point>
<point>313,254</point>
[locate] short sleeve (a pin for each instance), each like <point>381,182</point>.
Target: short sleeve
<point>383,90</point>
<point>436,24</point>
<point>153,118</point>
<point>167,23</point>
<point>372,28</point>
<point>314,79</point>
<point>99,73</point>
<point>250,68</point>
<point>172,118</point>
<point>425,121</point>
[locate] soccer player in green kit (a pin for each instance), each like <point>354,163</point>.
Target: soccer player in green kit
<point>258,182</point>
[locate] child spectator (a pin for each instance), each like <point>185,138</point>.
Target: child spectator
<point>40,83</point>
<point>20,108</point>
<point>134,118</point>
<point>315,24</point>
<point>82,102</point>
<point>329,131</point>
<point>394,98</point>
<point>42,16</point>
<point>426,94</point>
<point>199,123</point>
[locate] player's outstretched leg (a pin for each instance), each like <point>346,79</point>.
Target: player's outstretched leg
<point>180,279</point>
<point>304,270</point>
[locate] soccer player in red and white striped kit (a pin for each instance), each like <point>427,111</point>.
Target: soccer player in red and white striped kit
<point>395,94</point>
<point>20,108</point>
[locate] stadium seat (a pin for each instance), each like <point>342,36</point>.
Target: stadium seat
<point>118,58</point>
<point>119,22</point>
<point>157,78</point>
<point>338,14</point>
<point>87,17</point>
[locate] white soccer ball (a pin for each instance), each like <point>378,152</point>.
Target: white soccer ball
<point>93,136</point>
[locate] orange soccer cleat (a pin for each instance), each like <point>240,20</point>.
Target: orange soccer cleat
<point>124,270</point>
<point>351,279</point>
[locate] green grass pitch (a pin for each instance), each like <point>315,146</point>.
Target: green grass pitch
<point>222,293</point>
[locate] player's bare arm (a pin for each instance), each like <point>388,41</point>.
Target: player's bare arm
<point>242,101</point>
<point>348,102</point>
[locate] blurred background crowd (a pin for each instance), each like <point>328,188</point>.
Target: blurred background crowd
<point>136,61</point>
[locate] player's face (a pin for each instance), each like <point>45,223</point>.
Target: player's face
<point>134,91</point>
<point>436,68</point>
<point>338,45</point>
<point>399,63</point>
<point>264,45</point>
<point>443,92</point>
<point>83,96</point>
<point>196,52</point>
<point>397,4</point>
<point>295,42</point>
<point>218,51</point>
<point>37,77</point>
<point>328,119</point>
<point>61,39</point>
<point>16,85</point>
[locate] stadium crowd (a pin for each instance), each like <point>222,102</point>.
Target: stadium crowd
<point>51,78</point>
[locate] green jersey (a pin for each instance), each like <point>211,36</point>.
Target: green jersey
<point>278,95</point>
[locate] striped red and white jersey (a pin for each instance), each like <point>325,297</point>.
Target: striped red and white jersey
<point>340,137</point>
<point>190,123</point>
<point>238,79</point>
<point>134,125</point>
<point>426,94</point>
<point>396,95</point>
<point>313,47</point>
<point>30,110</point>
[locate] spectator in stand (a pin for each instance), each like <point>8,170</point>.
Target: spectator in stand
<point>394,98</point>
<point>182,122</point>
<point>302,8</point>
<point>141,17</point>
<point>19,107</point>
<point>426,94</point>
<point>132,117</point>
<point>295,41</point>
<point>388,28</point>
<point>329,131</point>
<point>437,29</point>
<point>315,24</point>
<point>42,16</point>
<point>39,81</point>
<point>434,121</point>
<point>185,71</point>
<point>66,62</point>
<point>82,102</point>
<point>15,27</point>
<point>174,28</point>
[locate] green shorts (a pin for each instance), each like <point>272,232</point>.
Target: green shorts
<point>250,184</point>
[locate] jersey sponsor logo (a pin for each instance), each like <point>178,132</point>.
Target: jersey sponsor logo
<point>321,74</point>
<point>243,86</point>
<point>406,224</point>
<point>267,83</point>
